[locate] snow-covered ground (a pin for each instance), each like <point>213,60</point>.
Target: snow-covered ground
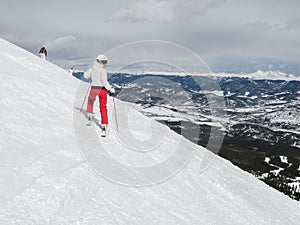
<point>47,178</point>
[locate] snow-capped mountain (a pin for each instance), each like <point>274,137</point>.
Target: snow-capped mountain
<point>145,69</point>
<point>47,179</point>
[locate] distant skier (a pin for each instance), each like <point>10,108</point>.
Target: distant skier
<point>43,52</point>
<point>99,87</point>
<point>71,71</point>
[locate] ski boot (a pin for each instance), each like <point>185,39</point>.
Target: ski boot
<point>103,130</point>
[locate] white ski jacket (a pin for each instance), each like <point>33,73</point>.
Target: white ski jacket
<point>98,75</point>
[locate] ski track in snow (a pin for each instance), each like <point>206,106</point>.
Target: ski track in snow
<point>45,180</point>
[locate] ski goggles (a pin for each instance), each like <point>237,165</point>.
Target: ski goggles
<point>102,61</point>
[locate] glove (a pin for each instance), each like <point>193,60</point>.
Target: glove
<point>112,91</point>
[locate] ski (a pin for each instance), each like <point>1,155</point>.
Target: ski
<point>91,119</point>
<point>89,123</point>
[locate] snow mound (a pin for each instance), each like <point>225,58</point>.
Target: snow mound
<point>45,178</point>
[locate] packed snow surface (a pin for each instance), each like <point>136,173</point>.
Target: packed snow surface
<point>45,179</point>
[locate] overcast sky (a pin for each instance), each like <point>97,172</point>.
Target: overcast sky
<point>227,34</point>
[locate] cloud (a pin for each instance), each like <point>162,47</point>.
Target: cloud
<point>157,11</point>
<point>61,42</point>
<point>191,8</point>
<point>62,48</point>
<point>149,10</point>
<point>259,26</point>
<point>291,24</point>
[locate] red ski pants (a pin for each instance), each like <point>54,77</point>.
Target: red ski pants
<point>102,95</point>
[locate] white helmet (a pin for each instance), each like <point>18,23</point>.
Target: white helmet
<point>102,59</point>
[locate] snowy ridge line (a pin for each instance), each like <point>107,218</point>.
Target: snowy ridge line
<point>284,130</point>
<point>258,75</point>
<point>267,127</point>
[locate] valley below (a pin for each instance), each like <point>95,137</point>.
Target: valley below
<point>260,118</point>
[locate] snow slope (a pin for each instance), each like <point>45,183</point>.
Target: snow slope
<point>46,179</point>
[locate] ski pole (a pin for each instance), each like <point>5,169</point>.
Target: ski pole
<point>116,118</point>
<point>85,97</point>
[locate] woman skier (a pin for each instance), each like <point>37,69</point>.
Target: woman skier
<point>99,87</point>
